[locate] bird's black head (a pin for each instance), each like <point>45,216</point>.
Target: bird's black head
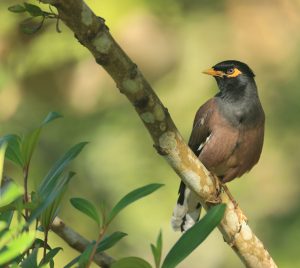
<point>232,76</point>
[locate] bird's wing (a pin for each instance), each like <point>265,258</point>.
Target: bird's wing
<point>200,132</point>
<point>187,210</point>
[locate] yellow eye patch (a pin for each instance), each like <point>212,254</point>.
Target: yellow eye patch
<point>235,73</point>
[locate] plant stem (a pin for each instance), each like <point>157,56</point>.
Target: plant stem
<point>101,233</point>
<point>25,174</point>
<point>45,243</point>
<point>26,198</point>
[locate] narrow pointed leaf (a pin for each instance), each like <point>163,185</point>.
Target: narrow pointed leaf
<point>53,182</point>
<point>16,247</point>
<point>3,225</point>
<point>9,193</point>
<point>59,167</point>
<point>13,151</point>
<point>29,143</point>
<point>7,217</point>
<point>132,197</point>
<point>157,250</point>
<point>131,262</point>
<point>39,243</point>
<point>106,243</point>
<point>85,256</point>
<point>17,9</point>
<point>52,209</point>
<point>51,117</point>
<point>50,255</point>
<point>31,260</point>
<point>3,147</point>
<point>54,192</point>
<point>87,208</point>
<point>33,10</point>
<point>109,241</point>
<point>72,262</point>
<point>193,237</point>
<point>32,25</point>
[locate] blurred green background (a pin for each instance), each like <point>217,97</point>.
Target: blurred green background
<point>172,42</point>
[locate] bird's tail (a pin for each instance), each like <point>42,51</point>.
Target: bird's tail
<point>187,211</point>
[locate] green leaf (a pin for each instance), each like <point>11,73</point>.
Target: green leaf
<point>53,182</point>
<point>50,201</point>
<point>109,241</point>
<point>33,10</point>
<point>52,209</point>
<point>50,179</point>
<point>3,147</point>
<point>72,262</point>
<point>51,117</point>
<point>3,225</point>
<point>31,25</point>
<point>193,237</point>
<point>31,260</point>
<point>131,262</point>
<point>7,217</point>
<point>87,208</point>
<point>157,250</point>
<point>29,142</point>
<point>50,255</point>
<point>39,243</point>
<point>9,193</point>
<point>13,151</point>
<point>16,247</point>
<point>132,197</point>
<point>85,256</point>
<point>17,9</point>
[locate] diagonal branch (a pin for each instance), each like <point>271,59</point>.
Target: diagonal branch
<point>92,33</point>
<point>78,242</point>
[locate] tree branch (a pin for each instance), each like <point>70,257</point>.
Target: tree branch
<point>92,33</point>
<point>78,242</point>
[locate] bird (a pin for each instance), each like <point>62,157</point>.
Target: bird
<point>227,134</point>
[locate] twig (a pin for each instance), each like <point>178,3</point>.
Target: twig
<point>46,232</point>
<point>26,198</point>
<point>92,33</point>
<point>78,242</point>
<point>100,236</point>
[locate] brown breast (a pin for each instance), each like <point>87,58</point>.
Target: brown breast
<point>232,151</point>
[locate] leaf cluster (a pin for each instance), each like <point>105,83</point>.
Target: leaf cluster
<point>35,17</point>
<point>19,210</point>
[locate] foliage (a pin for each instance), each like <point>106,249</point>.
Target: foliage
<point>17,230</point>
<point>36,18</point>
<point>19,210</point>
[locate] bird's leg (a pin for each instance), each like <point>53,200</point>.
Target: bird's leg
<point>216,199</point>
<point>226,190</point>
<point>220,185</point>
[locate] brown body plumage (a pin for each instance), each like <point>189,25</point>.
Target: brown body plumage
<point>227,134</point>
<point>230,150</point>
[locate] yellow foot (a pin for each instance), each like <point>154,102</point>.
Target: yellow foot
<point>220,186</point>
<point>215,200</point>
<point>231,198</point>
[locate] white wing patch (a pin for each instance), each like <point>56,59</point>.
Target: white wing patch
<point>203,143</point>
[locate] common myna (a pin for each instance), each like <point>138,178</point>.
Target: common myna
<point>227,134</point>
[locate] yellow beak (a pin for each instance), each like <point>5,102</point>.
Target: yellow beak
<point>213,72</point>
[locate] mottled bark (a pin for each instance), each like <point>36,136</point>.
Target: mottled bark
<point>78,242</point>
<point>92,33</point>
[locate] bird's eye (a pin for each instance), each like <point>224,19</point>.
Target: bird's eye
<point>230,71</point>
